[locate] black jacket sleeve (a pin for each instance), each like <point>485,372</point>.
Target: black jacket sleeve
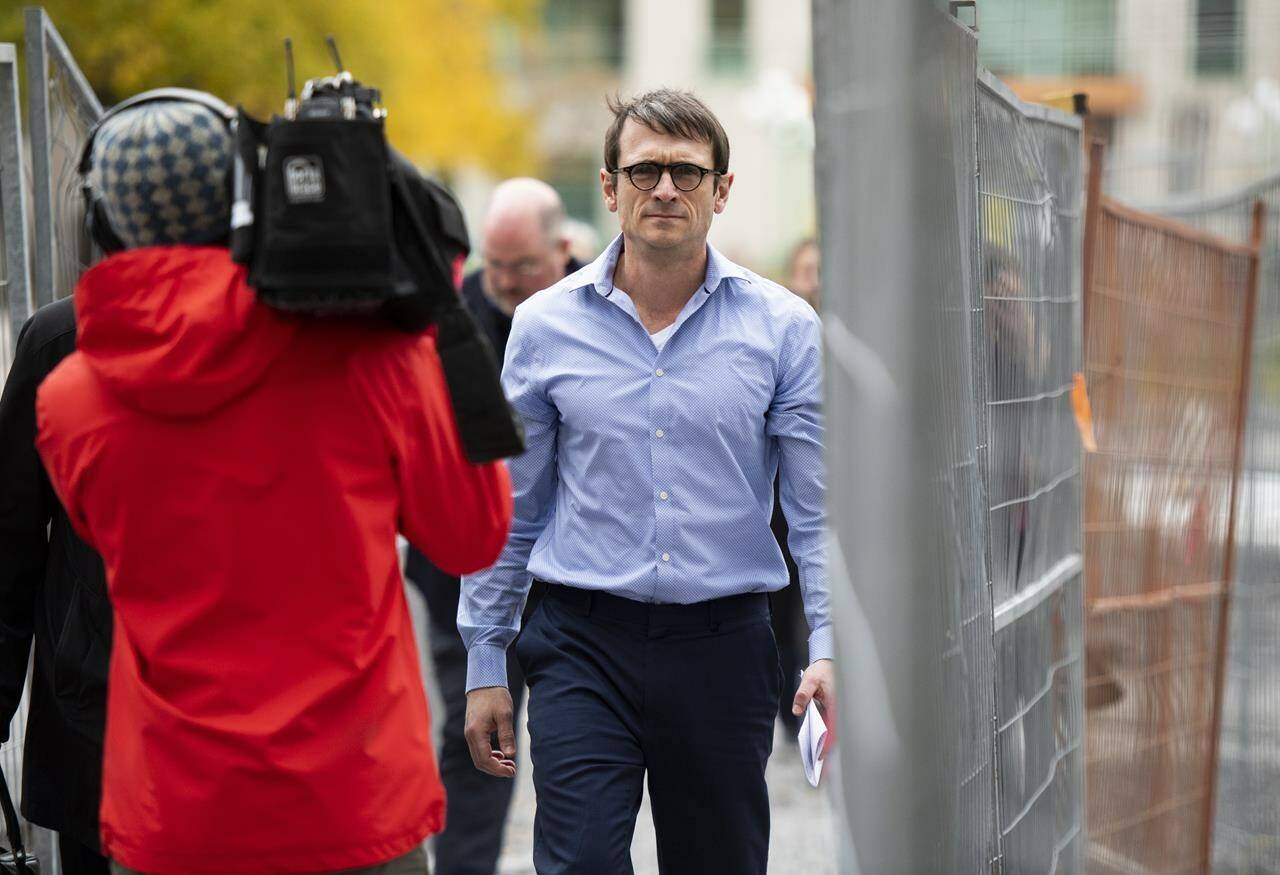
<point>27,504</point>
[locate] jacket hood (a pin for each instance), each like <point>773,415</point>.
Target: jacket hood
<point>175,331</point>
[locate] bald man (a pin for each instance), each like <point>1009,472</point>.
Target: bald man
<point>526,249</point>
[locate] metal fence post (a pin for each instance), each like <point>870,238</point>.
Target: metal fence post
<point>61,248</point>
<point>42,184</point>
<point>1224,610</point>
<point>13,203</point>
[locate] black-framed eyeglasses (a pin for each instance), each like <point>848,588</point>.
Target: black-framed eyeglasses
<point>647,174</point>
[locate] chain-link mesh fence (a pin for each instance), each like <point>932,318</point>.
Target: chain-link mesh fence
<point>1168,318</point>
<point>1247,821</point>
<point>1030,217</point>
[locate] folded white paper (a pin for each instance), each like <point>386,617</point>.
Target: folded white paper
<point>813,737</point>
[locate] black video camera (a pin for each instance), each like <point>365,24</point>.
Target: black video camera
<point>332,222</point>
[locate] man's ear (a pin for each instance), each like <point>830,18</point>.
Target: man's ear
<point>609,189</point>
<point>723,183</point>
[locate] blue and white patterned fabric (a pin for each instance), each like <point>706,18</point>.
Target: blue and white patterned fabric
<point>649,473</point>
<point>161,172</point>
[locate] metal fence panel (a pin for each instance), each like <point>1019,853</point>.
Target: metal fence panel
<point>969,662</point>
<point>1030,216</point>
<point>896,167</point>
<point>961,252</point>
<point>62,109</point>
<point>15,274</point>
<point>1169,313</point>
<point>1247,819</point>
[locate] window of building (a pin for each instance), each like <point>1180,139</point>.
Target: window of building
<point>585,33</point>
<point>1048,37</point>
<point>727,48</point>
<point>1218,32</point>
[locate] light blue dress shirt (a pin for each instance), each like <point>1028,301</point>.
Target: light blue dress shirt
<point>649,473</point>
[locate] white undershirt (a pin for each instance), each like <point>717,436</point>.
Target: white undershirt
<point>660,338</point>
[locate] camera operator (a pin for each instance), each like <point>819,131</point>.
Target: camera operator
<point>525,250</point>
<point>243,473</point>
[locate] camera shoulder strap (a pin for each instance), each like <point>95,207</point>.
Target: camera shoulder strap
<point>489,428</point>
<point>13,828</point>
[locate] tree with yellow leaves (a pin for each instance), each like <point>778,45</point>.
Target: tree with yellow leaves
<point>448,105</point>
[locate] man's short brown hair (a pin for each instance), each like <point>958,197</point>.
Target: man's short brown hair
<point>668,111</point>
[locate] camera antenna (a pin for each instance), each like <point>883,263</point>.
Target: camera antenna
<point>343,80</point>
<point>291,102</point>
<point>333,50</point>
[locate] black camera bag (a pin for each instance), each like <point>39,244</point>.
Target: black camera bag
<point>380,240</point>
<point>323,215</point>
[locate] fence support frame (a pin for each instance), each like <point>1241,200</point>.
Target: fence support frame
<point>43,45</point>
<point>1092,212</point>
<point>1224,611</point>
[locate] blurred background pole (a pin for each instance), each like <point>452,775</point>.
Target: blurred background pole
<point>880,134</point>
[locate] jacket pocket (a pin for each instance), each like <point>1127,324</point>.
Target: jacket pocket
<point>80,661</point>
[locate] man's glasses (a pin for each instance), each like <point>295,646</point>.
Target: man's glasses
<point>646,175</point>
<point>526,268</point>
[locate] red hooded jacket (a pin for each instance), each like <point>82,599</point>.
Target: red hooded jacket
<point>244,474</point>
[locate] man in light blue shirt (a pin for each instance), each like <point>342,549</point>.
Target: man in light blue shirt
<point>661,388</point>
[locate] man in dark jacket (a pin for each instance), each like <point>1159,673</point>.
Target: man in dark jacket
<point>52,589</point>
<point>525,250</point>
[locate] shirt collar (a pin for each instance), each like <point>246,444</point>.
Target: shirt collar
<point>720,268</point>
<point>599,274</point>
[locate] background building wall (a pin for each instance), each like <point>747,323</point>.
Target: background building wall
<point>748,59</point>
<point>1186,92</point>
<point>1197,131</point>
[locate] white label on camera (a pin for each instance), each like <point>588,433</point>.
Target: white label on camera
<point>304,179</point>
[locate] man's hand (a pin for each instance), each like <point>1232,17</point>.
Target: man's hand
<point>818,684</point>
<point>488,711</point>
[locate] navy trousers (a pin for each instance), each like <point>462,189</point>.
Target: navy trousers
<point>685,694</point>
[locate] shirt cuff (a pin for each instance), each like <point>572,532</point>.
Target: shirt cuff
<point>822,644</point>
<point>486,666</point>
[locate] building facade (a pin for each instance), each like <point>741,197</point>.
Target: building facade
<point>748,59</point>
<point>1185,92</point>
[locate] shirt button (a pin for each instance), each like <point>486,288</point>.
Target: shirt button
<point>659,372</point>
<point>666,557</point>
<point>658,433</point>
<point>662,495</point>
